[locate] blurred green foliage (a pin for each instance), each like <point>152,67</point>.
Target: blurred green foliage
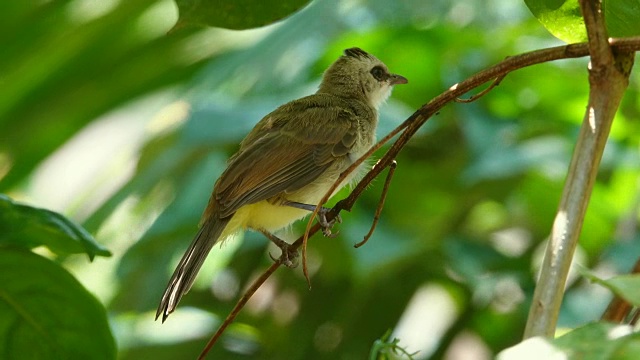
<point>470,206</point>
<point>237,15</point>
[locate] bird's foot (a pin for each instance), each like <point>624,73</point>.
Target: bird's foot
<point>289,255</point>
<point>322,216</point>
<point>327,225</point>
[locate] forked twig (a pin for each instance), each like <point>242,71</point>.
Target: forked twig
<point>482,93</point>
<point>383,197</point>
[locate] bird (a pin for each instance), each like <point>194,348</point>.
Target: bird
<point>289,160</point>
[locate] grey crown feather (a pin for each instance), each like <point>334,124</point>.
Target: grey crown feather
<point>356,53</point>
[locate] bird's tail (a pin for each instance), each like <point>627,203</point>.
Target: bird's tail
<point>189,265</point>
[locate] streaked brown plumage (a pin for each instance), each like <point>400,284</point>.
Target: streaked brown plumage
<point>294,154</point>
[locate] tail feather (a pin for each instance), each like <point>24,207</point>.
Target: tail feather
<point>189,265</point>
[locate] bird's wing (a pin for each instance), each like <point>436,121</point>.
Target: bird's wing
<point>284,156</point>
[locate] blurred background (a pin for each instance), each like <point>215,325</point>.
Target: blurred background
<point>124,128</point>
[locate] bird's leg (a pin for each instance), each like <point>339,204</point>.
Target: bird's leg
<point>289,255</point>
<point>322,216</point>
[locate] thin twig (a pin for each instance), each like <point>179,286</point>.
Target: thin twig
<point>617,311</point>
<point>239,305</point>
<point>412,124</point>
<point>482,93</point>
<point>383,197</point>
<point>634,318</point>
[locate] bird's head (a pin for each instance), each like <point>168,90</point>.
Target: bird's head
<point>358,74</point>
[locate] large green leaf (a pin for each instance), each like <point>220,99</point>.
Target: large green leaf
<point>623,17</point>
<point>238,15</point>
<point>45,313</point>
<point>30,227</point>
<point>563,19</point>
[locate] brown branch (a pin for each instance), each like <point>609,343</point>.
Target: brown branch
<point>599,49</point>
<point>410,127</point>
<point>617,311</point>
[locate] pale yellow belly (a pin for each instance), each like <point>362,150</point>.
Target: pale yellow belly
<point>273,217</point>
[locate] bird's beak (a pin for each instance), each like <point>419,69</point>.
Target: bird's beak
<point>396,79</point>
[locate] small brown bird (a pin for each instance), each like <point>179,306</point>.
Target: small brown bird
<point>290,160</point>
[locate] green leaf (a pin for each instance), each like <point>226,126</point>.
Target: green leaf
<point>30,227</point>
<point>45,313</point>
<point>237,15</point>
<point>563,18</point>
<point>625,286</point>
<point>623,17</point>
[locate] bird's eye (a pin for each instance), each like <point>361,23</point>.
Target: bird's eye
<point>378,73</point>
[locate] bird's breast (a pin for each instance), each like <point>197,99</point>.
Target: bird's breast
<point>267,216</point>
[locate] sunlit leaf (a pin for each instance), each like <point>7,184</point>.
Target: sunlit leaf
<point>45,313</point>
<point>563,18</point>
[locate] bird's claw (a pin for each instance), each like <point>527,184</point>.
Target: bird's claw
<point>288,258</point>
<point>327,225</point>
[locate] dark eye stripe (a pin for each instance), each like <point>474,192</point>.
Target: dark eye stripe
<point>378,73</point>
